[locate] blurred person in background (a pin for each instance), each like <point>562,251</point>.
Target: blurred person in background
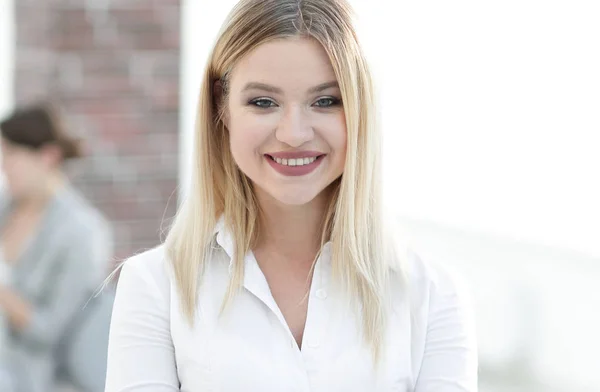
<point>55,249</point>
<point>281,272</point>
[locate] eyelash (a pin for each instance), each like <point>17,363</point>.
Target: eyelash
<point>255,102</point>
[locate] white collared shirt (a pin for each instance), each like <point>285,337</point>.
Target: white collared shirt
<point>430,345</point>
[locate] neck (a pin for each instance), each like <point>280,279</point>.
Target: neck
<point>51,186</point>
<point>292,231</point>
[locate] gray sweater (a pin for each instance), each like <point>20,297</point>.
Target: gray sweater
<point>63,264</point>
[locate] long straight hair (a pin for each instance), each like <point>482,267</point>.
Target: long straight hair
<point>353,222</point>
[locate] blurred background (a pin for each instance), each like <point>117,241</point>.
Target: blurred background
<point>114,68</point>
<point>491,119</point>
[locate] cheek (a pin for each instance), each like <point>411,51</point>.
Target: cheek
<point>24,169</point>
<point>334,132</point>
<point>11,166</point>
<point>17,174</point>
<point>248,132</point>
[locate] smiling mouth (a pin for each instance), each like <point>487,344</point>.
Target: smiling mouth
<point>295,161</point>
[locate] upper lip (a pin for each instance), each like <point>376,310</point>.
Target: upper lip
<point>295,154</point>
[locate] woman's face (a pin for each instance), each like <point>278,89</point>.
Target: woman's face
<point>286,120</point>
<point>24,169</point>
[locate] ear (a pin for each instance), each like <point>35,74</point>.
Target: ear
<point>220,101</point>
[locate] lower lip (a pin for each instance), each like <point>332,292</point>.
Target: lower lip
<point>295,170</point>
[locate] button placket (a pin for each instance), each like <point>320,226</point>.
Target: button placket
<point>313,344</point>
<point>321,293</point>
<point>318,315</point>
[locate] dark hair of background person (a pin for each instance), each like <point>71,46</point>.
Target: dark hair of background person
<point>37,126</point>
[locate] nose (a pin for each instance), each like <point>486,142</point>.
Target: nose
<point>294,128</point>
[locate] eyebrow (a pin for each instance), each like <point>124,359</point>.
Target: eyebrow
<point>277,90</point>
<point>323,86</point>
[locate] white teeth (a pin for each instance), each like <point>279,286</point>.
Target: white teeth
<point>296,161</point>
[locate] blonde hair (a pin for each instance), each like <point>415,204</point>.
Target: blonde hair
<point>353,223</point>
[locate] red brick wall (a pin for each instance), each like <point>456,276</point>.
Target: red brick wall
<point>114,67</point>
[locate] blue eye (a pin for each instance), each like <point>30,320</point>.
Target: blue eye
<point>327,102</point>
<point>263,103</point>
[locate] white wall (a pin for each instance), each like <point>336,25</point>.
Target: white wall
<point>7,56</point>
<point>201,23</point>
<point>490,111</point>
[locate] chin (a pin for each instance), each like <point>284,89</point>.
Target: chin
<point>293,198</point>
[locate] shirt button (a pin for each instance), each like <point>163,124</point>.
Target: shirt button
<point>322,294</point>
<point>313,344</point>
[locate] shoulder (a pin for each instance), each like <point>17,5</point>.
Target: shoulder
<point>430,285</point>
<point>150,269</point>
<point>82,218</point>
<point>420,276</point>
<point>432,275</point>
<point>153,261</point>
<point>439,304</point>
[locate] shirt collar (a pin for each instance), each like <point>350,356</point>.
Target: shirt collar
<point>224,239</point>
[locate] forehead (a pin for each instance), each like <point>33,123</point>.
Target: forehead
<point>291,63</point>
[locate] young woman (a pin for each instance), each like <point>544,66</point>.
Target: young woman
<point>54,251</point>
<point>281,272</point>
